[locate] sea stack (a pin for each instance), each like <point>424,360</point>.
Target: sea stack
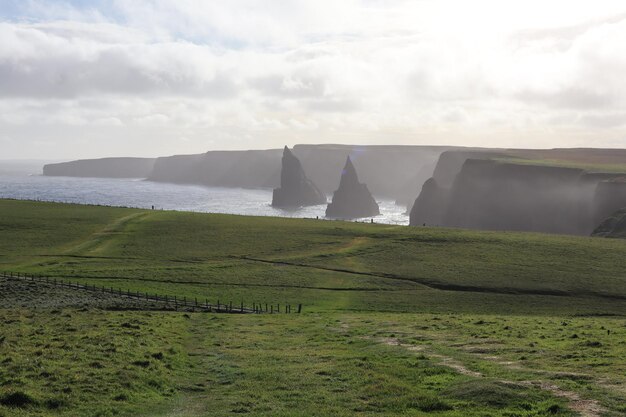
<point>352,199</point>
<point>296,190</point>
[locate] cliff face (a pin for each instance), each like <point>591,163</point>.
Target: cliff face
<point>613,226</point>
<point>500,196</point>
<point>352,199</point>
<point>450,163</point>
<point>296,189</point>
<point>386,169</point>
<point>105,167</point>
<point>430,206</point>
<point>405,196</point>
<point>396,172</point>
<point>610,196</point>
<point>490,195</point>
<point>241,169</point>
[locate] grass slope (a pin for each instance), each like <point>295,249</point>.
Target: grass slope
<point>398,320</point>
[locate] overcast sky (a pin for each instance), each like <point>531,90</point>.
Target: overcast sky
<point>99,78</point>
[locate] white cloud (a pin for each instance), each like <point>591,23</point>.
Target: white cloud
<point>254,74</point>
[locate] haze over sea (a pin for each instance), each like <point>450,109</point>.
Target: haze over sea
<point>145,194</point>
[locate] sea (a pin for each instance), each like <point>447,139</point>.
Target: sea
<point>140,193</point>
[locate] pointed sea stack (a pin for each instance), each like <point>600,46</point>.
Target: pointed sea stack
<point>352,199</point>
<point>296,190</point>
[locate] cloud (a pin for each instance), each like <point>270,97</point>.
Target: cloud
<point>604,121</point>
<point>569,98</point>
<point>39,62</point>
<point>252,73</point>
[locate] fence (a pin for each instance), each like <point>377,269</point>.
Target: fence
<point>168,301</point>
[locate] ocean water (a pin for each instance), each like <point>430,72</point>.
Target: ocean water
<point>145,194</point>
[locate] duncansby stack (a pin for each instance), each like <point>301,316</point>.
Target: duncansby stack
<point>352,199</point>
<point>296,190</point>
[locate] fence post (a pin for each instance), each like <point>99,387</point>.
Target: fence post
<point>242,306</point>
<point>299,308</point>
<point>272,309</point>
<point>230,307</point>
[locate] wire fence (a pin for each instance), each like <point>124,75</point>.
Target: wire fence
<point>168,301</point>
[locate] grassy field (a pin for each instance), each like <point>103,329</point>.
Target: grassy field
<point>617,168</point>
<point>396,320</point>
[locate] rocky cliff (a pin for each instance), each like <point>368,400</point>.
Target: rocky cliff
<point>450,163</point>
<point>395,172</point>
<point>241,169</point>
<point>430,206</point>
<point>491,195</point>
<point>494,194</point>
<point>352,199</point>
<point>610,196</point>
<point>613,226</point>
<point>104,167</point>
<point>296,190</point>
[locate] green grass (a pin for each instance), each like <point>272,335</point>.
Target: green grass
<point>587,166</point>
<point>518,310</point>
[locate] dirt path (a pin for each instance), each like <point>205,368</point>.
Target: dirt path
<point>98,242</point>
<point>585,408</point>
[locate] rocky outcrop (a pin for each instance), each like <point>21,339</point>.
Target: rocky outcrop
<point>450,163</point>
<point>405,196</point>
<point>610,196</point>
<point>102,168</point>
<point>430,206</point>
<point>492,195</point>
<point>296,190</point>
<point>352,199</point>
<point>237,169</point>
<point>394,172</point>
<point>613,226</point>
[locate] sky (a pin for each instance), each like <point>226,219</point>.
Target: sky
<point>82,79</point>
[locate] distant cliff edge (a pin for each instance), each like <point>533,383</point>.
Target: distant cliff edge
<point>102,168</point>
<point>497,190</point>
<point>395,172</point>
